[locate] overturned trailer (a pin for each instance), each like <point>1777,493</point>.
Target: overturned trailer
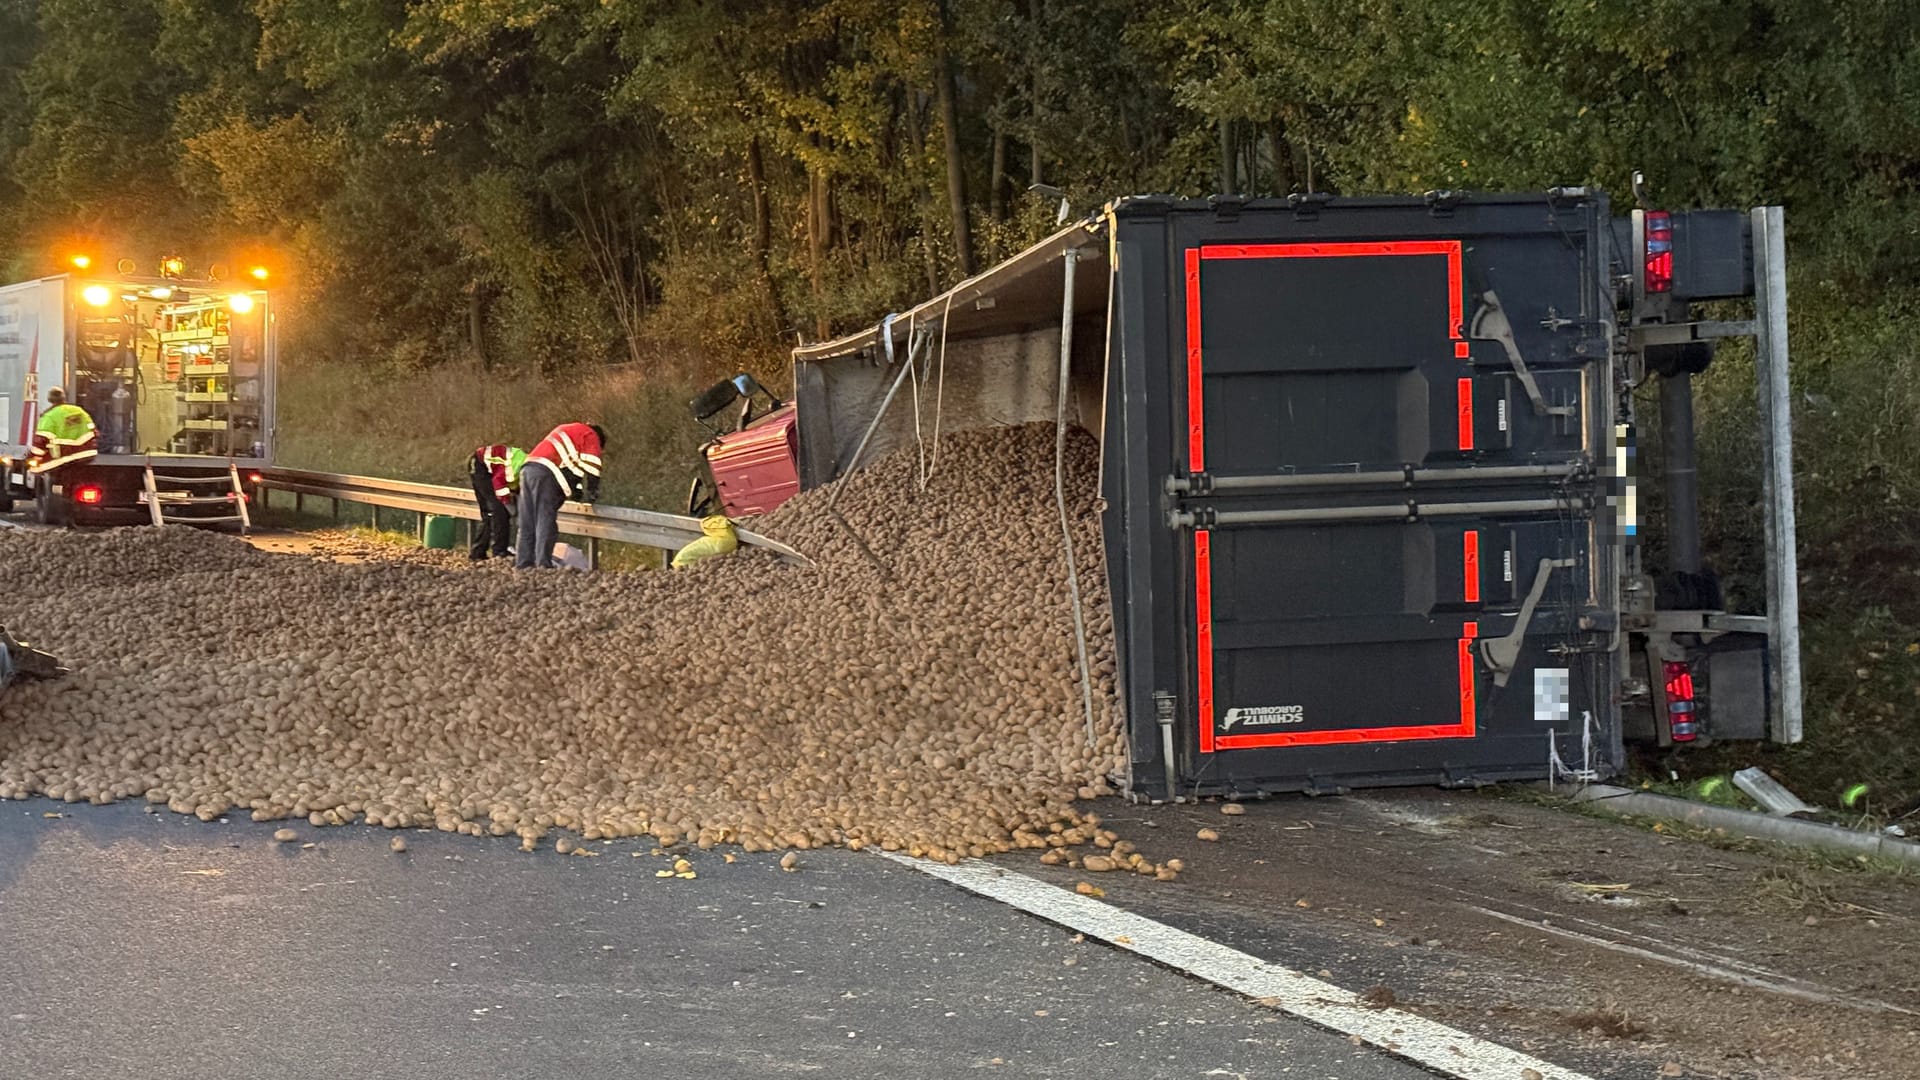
<point>1367,474</point>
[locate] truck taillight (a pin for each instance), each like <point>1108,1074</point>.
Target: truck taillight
<point>1683,720</point>
<point>1659,254</point>
<point>90,494</point>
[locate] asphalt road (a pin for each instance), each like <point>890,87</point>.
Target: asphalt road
<point>150,945</point>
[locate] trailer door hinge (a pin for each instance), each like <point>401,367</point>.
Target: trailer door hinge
<point>1502,653</point>
<point>1490,323</point>
<point>1307,205</point>
<point>1199,483</point>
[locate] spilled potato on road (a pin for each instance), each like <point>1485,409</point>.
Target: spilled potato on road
<point>932,707</point>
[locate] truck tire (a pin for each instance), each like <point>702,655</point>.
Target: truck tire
<point>50,507</point>
<point>702,498</point>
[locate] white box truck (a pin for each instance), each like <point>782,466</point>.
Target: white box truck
<point>179,379</point>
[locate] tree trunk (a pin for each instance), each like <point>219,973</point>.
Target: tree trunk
<point>817,226</point>
<point>1282,151</point>
<point>956,167</point>
<point>763,230</point>
<point>1226,158</point>
<point>1035,174</point>
<point>477,323</point>
<point>997,194</point>
<point>917,143</point>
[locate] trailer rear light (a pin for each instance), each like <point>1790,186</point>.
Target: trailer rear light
<point>1683,719</point>
<point>1659,273</point>
<point>254,478</point>
<point>90,494</point>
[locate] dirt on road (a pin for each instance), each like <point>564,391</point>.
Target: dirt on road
<point>1606,945</point>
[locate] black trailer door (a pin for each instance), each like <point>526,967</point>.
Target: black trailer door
<point>1380,540</point>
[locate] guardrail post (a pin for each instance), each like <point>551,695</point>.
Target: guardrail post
<point>299,503</point>
<point>593,552</point>
<point>375,507</point>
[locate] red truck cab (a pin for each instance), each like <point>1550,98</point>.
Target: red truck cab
<point>751,465</point>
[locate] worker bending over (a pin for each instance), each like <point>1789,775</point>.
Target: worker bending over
<point>496,475</point>
<point>65,435</point>
<point>566,465</point>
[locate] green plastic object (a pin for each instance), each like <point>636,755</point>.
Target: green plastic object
<point>441,531</point>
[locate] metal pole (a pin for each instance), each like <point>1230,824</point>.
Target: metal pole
<point>1376,478</point>
<point>1407,511</point>
<point>593,552</point>
<point>1677,460</point>
<point>1776,411</point>
<point>1071,259</point>
<point>375,508</point>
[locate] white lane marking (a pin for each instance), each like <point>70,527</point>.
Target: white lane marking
<point>1786,987</point>
<point>1423,1042</point>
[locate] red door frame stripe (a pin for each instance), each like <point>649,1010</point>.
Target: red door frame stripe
<point>1196,414</point>
<point>1202,542</point>
<point>1463,393</point>
<point>1470,566</point>
<point>1203,641</point>
<point>1468,707</point>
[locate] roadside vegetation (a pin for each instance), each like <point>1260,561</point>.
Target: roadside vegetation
<point>472,210</point>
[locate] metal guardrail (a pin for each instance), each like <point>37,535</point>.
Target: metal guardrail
<point>648,528</point>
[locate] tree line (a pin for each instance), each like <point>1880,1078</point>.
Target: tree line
<point>538,183</point>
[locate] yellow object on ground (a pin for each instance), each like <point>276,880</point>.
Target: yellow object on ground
<point>719,539</point>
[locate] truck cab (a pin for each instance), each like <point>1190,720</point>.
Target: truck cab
<point>750,465</point>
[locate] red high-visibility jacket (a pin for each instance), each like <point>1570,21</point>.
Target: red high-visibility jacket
<point>572,453</point>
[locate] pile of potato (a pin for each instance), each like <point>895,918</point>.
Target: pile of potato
<point>925,699</point>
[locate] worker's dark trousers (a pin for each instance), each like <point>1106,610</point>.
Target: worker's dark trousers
<point>540,499</point>
<point>495,531</point>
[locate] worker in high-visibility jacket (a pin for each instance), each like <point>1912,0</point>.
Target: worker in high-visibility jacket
<point>495,471</point>
<point>64,435</point>
<point>566,465</point>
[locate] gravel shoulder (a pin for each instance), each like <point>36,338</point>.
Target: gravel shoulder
<point>1599,944</point>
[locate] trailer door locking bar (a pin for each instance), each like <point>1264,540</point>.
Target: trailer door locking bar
<point>1490,323</point>
<point>1207,517</point>
<point>1502,653</point>
<point>1204,483</point>
<point>1682,333</point>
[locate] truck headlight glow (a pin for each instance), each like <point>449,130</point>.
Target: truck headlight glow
<point>241,303</point>
<point>97,295</point>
